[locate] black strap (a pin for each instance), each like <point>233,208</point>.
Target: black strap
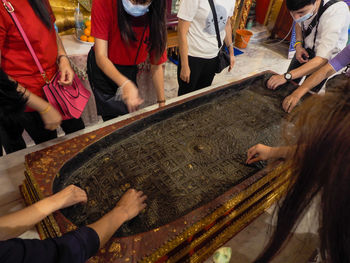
<point>315,21</point>
<point>138,50</point>
<point>212,6</point>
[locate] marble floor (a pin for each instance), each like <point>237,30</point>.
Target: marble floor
<point>247,244</point>
<point>256,58</point>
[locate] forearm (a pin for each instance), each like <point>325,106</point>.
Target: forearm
<point>60,47</point>
<point>281,152</point>
<point>183,44</point>
<point>298,33</point>
<point>158,80</point>
<point>315,79</point>
<point>308,68</point>
<point>183,48</point>
<point>110,70</point>
<point>33,101</point>
<point>105,229</point>
<point>228,38</point>
<point>16,223</point>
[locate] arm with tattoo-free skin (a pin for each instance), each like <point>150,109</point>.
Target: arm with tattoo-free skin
<point>157,72</point>
<point>183,28</point>
<point>229,44</point>
<point>67,73</point>
<point>316,78</point>
<point>261,152</point>
<point>16,223</point>
<point>308,67</point>
<point>129,206</point>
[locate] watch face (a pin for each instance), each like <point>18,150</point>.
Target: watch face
<point>288,76</point>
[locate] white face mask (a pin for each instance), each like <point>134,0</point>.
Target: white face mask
<point>305,17</point>
<point>135,10</point>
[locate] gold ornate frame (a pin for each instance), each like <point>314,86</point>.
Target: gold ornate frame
<point>64,12</point>
<point>240,15</point>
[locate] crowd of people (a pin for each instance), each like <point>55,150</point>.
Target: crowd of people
<point>127,32</point>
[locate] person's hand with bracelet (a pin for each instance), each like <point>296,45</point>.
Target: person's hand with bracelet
<point>161,103</point>
<point>67,73</point>
<point>51,117</point>
<point>130,95</point>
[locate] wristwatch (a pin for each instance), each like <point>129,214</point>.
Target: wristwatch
<point>288,76</point>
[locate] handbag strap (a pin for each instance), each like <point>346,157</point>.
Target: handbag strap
<point>8,6</point>
<point>138,50</point>
<point>212,6</point>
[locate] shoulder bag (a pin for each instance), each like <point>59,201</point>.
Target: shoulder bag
<point>71,100</point>
<point>224,59</point>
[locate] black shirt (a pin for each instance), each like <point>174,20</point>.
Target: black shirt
<point>76,246</point>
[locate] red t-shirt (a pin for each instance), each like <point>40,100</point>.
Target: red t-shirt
<point>104,25</point>
<point>16,60</point>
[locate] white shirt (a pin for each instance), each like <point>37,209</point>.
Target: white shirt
<point>201,36</point>
<point>332,33</point>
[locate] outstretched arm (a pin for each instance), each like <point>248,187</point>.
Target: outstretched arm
<point>14,96</point>
<point>261,152</point>
<point>228,42</point>
<point>291,101</point>
<point>16,223</point>
<point>305,69</point>
<point>75,246</point>
<point>129,206</point>
<point>50,116</point>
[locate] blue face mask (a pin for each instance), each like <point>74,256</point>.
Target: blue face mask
<point>135,10</point>
<point>304,17</point>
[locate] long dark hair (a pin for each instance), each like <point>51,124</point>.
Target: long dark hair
<point>320,165</point>
<point>157,36</point>
<point>41,9</point>
<point>12,103</point>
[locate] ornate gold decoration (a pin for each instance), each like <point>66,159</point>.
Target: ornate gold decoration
<point>115,247</point>
<point>272,13</point>
<point>235,15</point>
<point>34,194</point>
<point>270,187</point>
<point>245,12</point>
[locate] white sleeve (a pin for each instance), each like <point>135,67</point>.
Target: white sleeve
<point>232,10</point>
<point>188,9</point>
<point>333,23</point>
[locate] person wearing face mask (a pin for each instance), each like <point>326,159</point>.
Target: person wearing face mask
<point>126,32</point>
<point>321,33</point>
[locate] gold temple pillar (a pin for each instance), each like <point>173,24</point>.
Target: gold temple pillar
<point>272,13</point>
<point>240,15</point>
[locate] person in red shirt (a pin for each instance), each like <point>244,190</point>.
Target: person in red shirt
<point>126,32</point>
<point>37,20</point>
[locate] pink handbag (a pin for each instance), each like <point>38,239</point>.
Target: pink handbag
<point>70,101</point>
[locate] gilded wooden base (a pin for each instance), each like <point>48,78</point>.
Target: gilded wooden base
<point>191,238</point>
